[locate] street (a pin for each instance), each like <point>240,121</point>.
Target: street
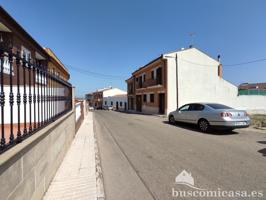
<point>141,156</point>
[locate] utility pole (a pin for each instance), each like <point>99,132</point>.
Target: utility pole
<point>176,65</point>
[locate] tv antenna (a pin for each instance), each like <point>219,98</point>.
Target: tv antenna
<point>192,35</point>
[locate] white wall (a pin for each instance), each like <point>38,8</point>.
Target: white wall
<point>198,81</point>
<point>254,104</point>
<point>171,84</point>
<point>201,83</point>
<point>115,99</point>
<point>78,111</point>
<point>59,105</point>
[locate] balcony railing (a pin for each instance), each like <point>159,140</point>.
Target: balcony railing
<point>149,83</point>
<point>31,97</point>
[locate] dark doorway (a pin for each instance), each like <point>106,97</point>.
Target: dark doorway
<point>161,103</point>
<point>125,105</point>
<point>117,105</point>
<point>138,103</point>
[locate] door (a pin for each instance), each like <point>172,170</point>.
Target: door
<point>161,103</point>
<point>181,114</point>
<point>194,113</point>
<point>117,105</point>
<point>125,105</point>
<point>138,103</point>
<point>131,104</point>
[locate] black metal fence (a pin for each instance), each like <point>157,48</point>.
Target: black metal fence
<point>31,97</point>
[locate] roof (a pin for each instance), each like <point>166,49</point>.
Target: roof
<point>53,56</point>
<point>246,86</point>
<point>161,56</point>
<point>154,60</point>
<point>21,29</point>
<point>103,89</point>
<point>120,95</point>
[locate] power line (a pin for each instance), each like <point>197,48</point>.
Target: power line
<point>246,63</point>
<point>117,77</point>
<point>96,74</point>
<point>226,65</point>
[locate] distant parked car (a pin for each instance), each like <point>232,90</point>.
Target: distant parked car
<point>91,108</point>
<point>210,115</point>
<point>108,108</point>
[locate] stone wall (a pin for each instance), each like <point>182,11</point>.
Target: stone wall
<point>27,169</point>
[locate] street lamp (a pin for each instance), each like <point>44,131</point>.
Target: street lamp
<point>176,62</point>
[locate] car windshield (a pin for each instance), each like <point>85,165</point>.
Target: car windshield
<point>217,106</point>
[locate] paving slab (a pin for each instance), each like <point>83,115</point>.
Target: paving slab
<point>76,177</point>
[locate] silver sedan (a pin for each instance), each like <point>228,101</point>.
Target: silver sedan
<point>207,115</point>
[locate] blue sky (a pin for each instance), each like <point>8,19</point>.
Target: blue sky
<point>116,37</point>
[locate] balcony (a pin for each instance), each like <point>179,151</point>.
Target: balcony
<point>149,83</point>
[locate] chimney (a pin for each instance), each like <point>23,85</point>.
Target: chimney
<point>220,67</point>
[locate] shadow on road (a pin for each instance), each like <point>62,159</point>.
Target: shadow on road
<point>262,151</point>
<point>194,128</point>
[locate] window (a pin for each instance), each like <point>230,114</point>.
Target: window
<point>25,52</point>
<point>105,103</point>
<point>196,107</point>
<point>144,98</point>
<point>184,108</point>
<point>111,103</point>
<point>144,78</point>
<point>151,98</point>
<point>152,75</point>
<point>218,106</point>
<point>121,104</point>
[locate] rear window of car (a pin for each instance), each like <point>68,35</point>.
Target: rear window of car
<point>218,106</point>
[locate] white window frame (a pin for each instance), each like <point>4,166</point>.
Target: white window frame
<point>27,53</point>
<point>6,66</point>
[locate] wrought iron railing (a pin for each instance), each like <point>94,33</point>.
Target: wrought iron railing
<point>31,97</point>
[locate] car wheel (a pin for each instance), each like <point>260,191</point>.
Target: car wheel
<point>204,125</point>
<point>172,119</point>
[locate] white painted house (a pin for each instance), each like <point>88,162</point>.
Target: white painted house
<point>185,76</point>
<point>200,80</point>
<point>115,98</point>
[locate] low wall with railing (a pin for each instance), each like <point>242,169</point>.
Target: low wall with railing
<point>27,169</point>
<point>37,126</point>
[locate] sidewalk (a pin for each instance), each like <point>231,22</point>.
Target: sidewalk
<point>76,177</point>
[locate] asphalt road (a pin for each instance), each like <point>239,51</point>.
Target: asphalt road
<point>141,156</point>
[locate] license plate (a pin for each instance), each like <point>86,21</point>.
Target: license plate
<point>240,123</point>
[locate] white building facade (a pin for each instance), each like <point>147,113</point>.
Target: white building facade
<point>182,77</point>
<point>197,79</point>
<point>115,98</point>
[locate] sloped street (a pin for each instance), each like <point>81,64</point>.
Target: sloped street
<point>141,156</point>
